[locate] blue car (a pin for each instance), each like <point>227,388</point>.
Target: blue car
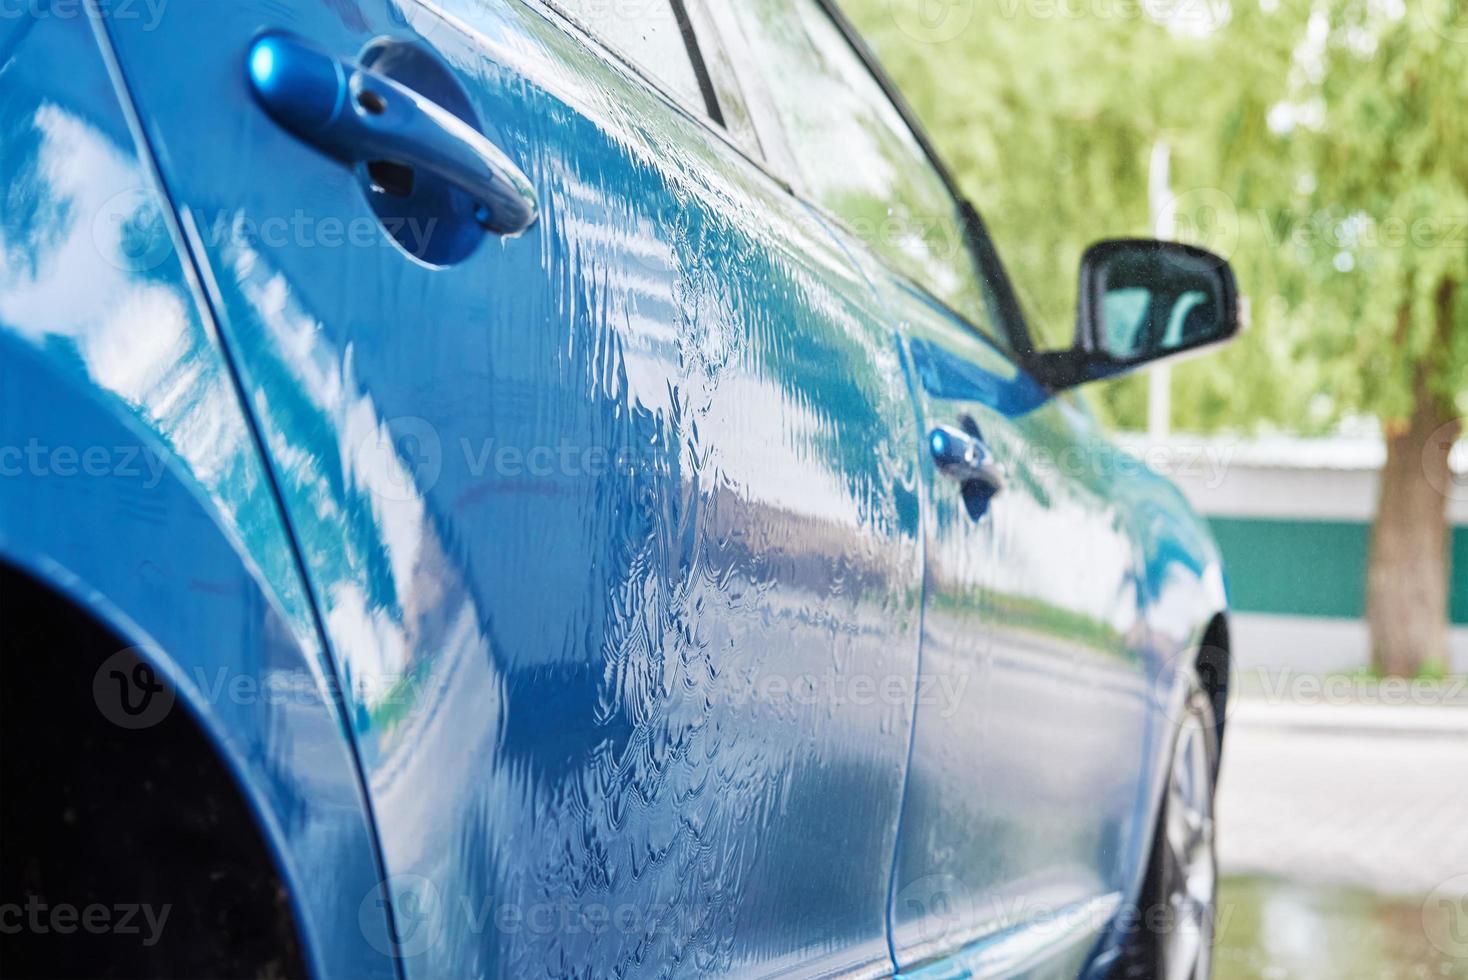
<point>502,488</point>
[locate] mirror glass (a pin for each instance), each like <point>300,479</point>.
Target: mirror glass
<point>1150,299</point>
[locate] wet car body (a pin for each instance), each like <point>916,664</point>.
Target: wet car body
<point>626,624</point>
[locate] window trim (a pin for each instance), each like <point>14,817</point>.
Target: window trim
<point>696,59</point>
<point>728,81</point>
<point>712,110</point>
<point>982,252</point>
<point>707,19</point>
<point>759,104</point>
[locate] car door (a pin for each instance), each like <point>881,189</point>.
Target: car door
<point>1022,818</point>
<point>1024,815</point>
<point>612,524</point>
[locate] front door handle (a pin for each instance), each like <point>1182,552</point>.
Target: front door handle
<point>355,116</point>
<point>964,457</point>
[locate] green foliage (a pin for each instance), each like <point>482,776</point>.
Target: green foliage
<point>1319,145</point>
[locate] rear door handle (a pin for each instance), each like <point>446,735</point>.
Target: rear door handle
<point>355,115</point>
<point>963,456</point>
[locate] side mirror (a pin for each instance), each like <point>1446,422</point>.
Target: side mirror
<point>1141,301</point>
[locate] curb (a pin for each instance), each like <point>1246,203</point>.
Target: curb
<point>1416,721</point>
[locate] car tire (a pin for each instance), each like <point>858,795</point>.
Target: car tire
<point>1170,934</point>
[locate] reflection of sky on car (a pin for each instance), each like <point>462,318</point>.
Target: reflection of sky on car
<point>93,266</point>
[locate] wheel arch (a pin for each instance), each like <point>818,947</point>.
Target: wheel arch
<point>109,812</point>
<point>178,572</point>
<point>1214,666</point>
<point>131,482</point>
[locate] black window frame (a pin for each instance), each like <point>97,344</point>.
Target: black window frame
<point>700,66</point>
<point>980,246</point>
<point>713,110</point>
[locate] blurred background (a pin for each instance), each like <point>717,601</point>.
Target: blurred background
<point>1322,146</point>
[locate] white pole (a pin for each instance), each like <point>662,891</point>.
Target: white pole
<point>1159,197</point>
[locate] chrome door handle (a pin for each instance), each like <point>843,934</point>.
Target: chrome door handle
<point>963,456</point>
<point>355,115</point>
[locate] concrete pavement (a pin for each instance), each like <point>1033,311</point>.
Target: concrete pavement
<point>1371,796</point>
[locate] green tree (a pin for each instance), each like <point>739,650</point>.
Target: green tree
<point>1047,112</point>
<point>1316,144</point>
<point>1369,126</point>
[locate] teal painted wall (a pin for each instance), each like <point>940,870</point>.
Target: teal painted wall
<point>1312,568</point>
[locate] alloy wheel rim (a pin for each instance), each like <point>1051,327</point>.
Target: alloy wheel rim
<point>1190,844</point>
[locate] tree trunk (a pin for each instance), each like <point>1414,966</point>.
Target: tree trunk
<point>1407,580</point>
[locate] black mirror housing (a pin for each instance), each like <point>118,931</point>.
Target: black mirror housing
<point>1141,301</point>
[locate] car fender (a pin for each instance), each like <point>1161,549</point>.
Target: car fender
<point>131,482</point>
<point>158,565</point>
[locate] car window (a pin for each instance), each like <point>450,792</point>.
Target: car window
<point>857,157</point>
<point>645,32</point>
